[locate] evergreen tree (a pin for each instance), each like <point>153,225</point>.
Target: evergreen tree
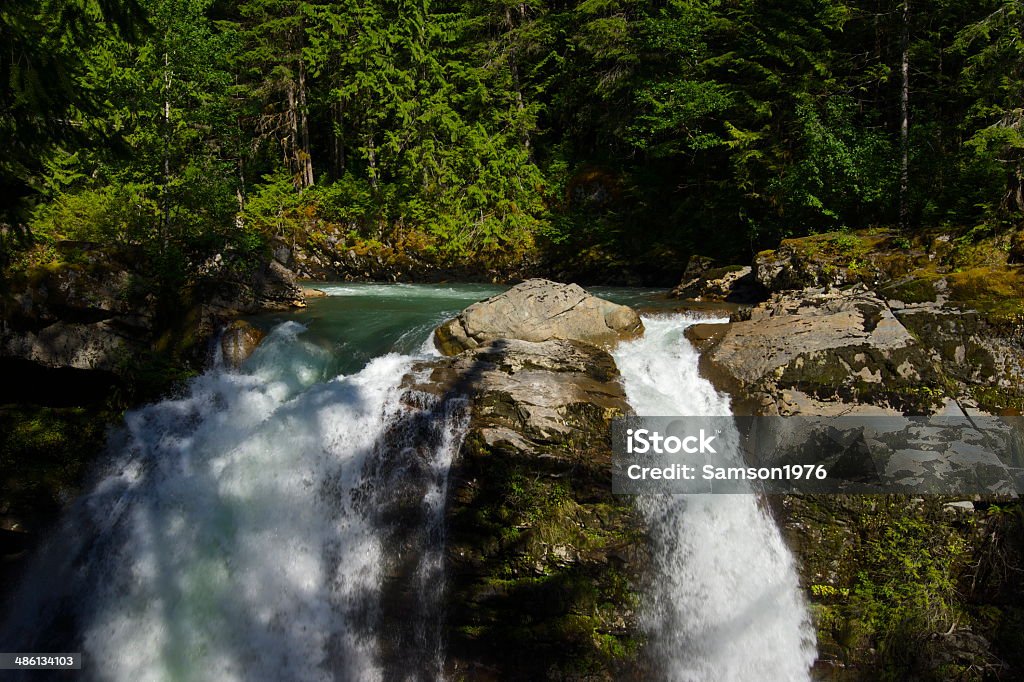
<point>43,55</point>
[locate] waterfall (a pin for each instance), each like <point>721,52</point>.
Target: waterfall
<point>724,601</point>
<point>234,532</point>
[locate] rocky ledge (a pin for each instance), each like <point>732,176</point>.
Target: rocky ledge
<point>819,352</point>
<point>870,323</point>
<point>95,310</point>
<point>543,562</point>
<point>825,351</point>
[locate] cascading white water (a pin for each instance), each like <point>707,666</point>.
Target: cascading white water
<point>234,537</point>
<point>724,602</point>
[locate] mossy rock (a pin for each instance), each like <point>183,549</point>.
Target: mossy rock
<point>912,290</point>
<point>892,580</point>
<point>829,259</point>
<point>545,581</point>
<point>902,378</point>
<point>996,292</point>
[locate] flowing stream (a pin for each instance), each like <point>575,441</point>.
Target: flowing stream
<point>724,602</point>
<point>248,529</point>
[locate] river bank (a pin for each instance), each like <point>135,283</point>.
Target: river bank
<point>872,323</point>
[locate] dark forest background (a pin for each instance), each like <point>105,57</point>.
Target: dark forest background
<point>487,131</point>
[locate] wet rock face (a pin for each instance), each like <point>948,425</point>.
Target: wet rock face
<point>539,310</point>
<point>543,561</point>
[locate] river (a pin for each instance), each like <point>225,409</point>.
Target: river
<point>227,534</point>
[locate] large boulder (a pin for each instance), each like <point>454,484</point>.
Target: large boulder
<point>539,310</point>
<point>809,351</point>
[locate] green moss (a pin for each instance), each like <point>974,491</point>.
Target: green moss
<point>887,577</point>
<point>719,273</point>
<point>545,596</point>
<point>914,290</point>
<point>846,244</point>
<point>997,293</point>
<point>1001,401</point>
<point>43,455</point>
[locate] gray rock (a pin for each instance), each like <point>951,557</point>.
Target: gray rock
<point>793,352</point>
<point>277,289</point>
<point>77,316</point>
<point>970,349</point>
<point>539,310</point>
<point>542,380</point>
<point>97,346</point>
<point>734,284</point>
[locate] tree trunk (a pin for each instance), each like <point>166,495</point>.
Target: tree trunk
<point>291,144</point>
<point>905,118</point>
<point>240,195</point>
<point>165,200</point>
<point>371,159</point>
<point>305,153</point>
<point>338,137</point>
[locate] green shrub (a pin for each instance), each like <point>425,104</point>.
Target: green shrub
<point>118,214</point>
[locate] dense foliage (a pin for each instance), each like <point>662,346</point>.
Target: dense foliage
<point>488,128</point>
